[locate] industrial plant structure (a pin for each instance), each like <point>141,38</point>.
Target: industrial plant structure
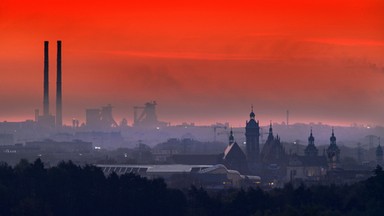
<point>47,120</point>
<point>148,117</point>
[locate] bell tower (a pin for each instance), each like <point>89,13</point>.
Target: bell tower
<point>252,134</point>
<point>333,152</point>
<point>311,149</point>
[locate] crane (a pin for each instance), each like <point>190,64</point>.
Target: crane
<point>215,127</point>
<point>227,132</point>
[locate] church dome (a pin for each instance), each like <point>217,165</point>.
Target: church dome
<point>252,115</point>
<point>311,149</point>
<point>333,138</point>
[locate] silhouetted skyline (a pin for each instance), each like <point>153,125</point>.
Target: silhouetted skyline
<point>202,62</point>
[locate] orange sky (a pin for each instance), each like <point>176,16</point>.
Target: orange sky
<point>202,61</point>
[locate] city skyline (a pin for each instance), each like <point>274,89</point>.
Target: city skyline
<point>202,62</point>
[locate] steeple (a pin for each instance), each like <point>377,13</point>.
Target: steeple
<point>231,138</point>
<point>311,139</point>
<point>333,138</point>
<point>311,149</point>
<point>333,152</point>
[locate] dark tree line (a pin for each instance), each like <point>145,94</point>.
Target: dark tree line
<point>68,189</point>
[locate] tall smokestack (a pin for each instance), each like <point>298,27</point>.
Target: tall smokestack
<point>59,120</point>
<point>46,81</point>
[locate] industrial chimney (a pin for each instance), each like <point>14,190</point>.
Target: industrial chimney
<point>59,120</point>
<point>46,81</point>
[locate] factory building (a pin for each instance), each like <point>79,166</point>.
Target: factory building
<point>208,176</point>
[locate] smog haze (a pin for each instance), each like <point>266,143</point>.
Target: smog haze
<point>202,62</point>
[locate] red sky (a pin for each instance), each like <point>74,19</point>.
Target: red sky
<point>202,61</point>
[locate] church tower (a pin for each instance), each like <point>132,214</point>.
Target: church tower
<point>311,149</point>
<point>233,157</point>
<point>252,134</point>
<point>333,152</point>
<point>231,137</point>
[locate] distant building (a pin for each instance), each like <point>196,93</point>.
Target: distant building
<point>100,119</point>
<point>233,157</point>
<point>252,134</point>
<point>147,117</point>
<point>46,121</point>
<point>333,153</point>
<point>209,176</point>
<point>273,151</point>
<point>194,159</point>
<point>308,168</point>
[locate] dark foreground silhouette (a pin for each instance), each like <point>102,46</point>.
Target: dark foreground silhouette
<point>68,189</point>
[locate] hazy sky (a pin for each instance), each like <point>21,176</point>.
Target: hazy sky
<point>202,62</point>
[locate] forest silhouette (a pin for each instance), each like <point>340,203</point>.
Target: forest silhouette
<point>69,189</point>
